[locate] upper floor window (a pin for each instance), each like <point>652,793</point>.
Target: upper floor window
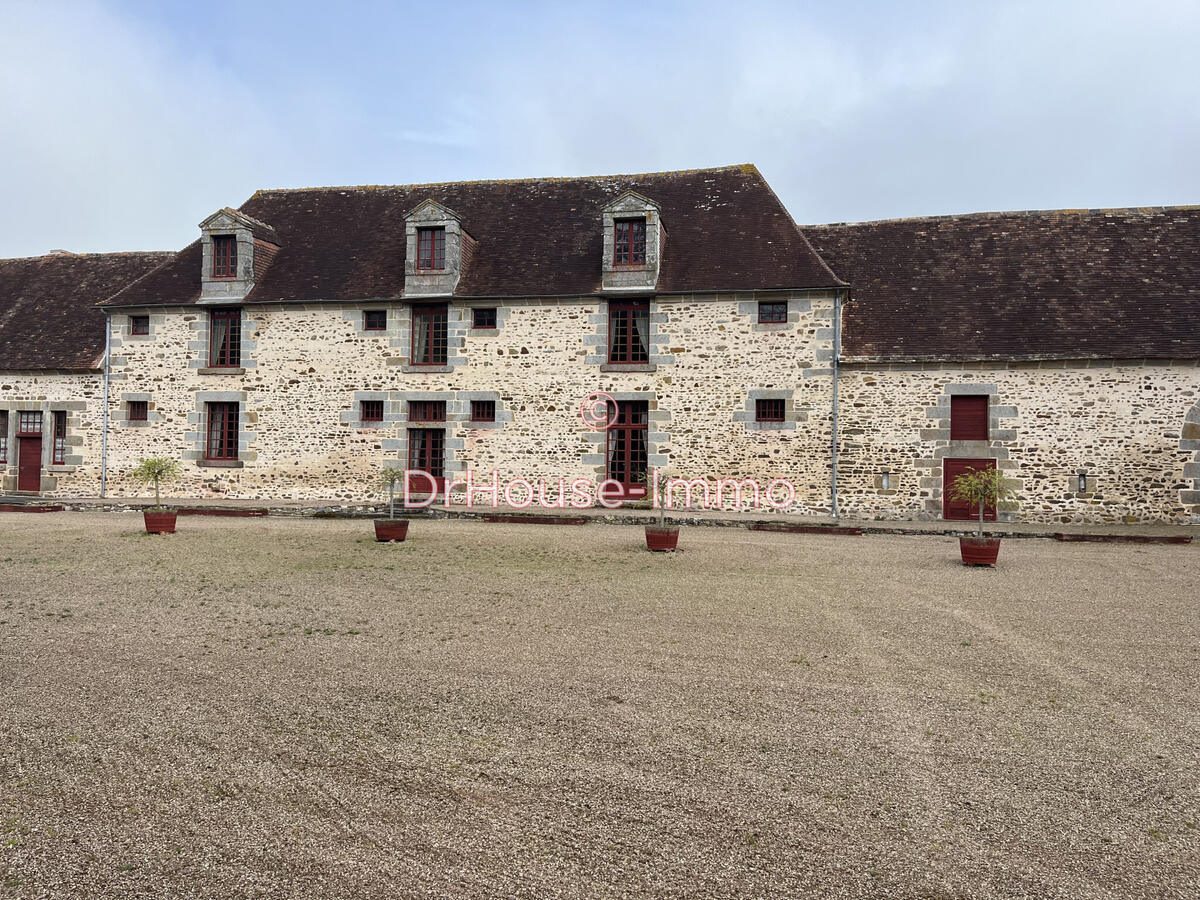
<point>482,317</point>
<point>375,320</point>
<point>372,410</point>
<point>772,312</point>
<point>427,411</point>
<point>483,410</point>
<point>138,410</point>
<point>429,335</point>
<point>222,440</point>
<point>969,417</point>
<point>139,324</point>
<point>60,437</point>
<point>769,410</point>
<point>629,332</point>
<point>225,338</point>
<point>629,242</point>
<point>431,248</point>
<point>224,256</point>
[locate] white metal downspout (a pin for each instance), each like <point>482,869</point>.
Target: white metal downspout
<point>837,352</point>
<point>104,417</point>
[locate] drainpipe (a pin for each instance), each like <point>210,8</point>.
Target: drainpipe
<point>837,351</point>
<point>104,417</point>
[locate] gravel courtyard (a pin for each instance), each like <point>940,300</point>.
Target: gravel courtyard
<point>283,708</point>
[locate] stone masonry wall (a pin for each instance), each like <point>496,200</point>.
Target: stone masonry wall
<point>305,368</point>
<point>80,395</point>
<point>1124,425</point>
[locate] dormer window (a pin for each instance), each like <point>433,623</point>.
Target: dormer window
<point>431,249</point>
<point>224,256</point>
<point>629,242</point>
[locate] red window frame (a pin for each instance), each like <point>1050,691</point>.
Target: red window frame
<point>772,312</point>
<point>3,435</point>
<point>430,335</point>
<point>431,249</point>
<point>969,417</point>
<point>427,410</point>
<point>224,252</point>
<point>629,331</point>
<point>139,324</point>
<point>627,453</point>
<point>221,435</point>
<point>769,409</point>
<point>427,453</point>
<point>483,410</point>
<point>629,242</point>
<point>59,452</point>
<point>375,320</point>
<point>483,317</point>
<point>29,423</point>
<point>370,410</point>
<point>225,339</point>
<point>139,411</point>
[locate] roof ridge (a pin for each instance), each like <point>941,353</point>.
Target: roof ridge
<point>747,168</point>
<point>66,254</point>
<point>1083,211</point>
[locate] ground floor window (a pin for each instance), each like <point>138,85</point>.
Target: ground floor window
<point>3,435</point>
<point>222,431</point>
<point>427,453</point>
<point>627,452</point>
<point>60,437</point>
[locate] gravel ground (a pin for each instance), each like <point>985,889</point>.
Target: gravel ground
<point>282,708</point>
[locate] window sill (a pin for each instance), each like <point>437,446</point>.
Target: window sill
<point>628,367</point>
<point>221,370</point>
<point>220,463</point>
<point>413,370</point>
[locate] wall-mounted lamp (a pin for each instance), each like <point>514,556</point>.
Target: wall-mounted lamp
<point>1083,482</point>
<point>885,481</point>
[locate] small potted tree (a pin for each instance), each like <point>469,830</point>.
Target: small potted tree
<point>660,536</point>
<point>157,469</point>
<point>391,528</point>
<point>984,489</point>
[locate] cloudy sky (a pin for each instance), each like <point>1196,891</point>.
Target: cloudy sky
<point>122,125</point>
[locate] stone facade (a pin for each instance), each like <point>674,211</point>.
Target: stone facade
<point>80,395</point>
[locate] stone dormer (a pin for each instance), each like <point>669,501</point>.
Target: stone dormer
<point>436,252</point>
<point>633,242</point>
<point>235,249</point>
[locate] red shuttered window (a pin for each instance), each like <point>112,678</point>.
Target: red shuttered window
<point>427,411</point>
<point>372,410</point>
<point>483,410</point>
<point>138,410</point>
<point>224,256</point>
<point>629,242</point>
<point>969,417</point>
<point>222,440</point>
<point>431,249</point>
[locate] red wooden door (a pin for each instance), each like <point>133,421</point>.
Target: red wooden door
<point>960,509</point>
<point>29,464</point>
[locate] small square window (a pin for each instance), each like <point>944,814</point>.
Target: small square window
<point>483,410</point>
<point>138,410</point>
<point>375,320</point>
<point>768,410</point>
<point>372,410</point>
<point>139,324</point>
<point>772,312</point>
<point>427,411</point>
<point>483,318</point>
<point>969,417</point>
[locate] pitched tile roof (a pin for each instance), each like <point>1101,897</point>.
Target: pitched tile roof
<point>725,230</point>
<point>1105,283</point>
<point>48,315</point>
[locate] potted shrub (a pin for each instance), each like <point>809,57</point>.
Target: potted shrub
<point>159,519</point>
<point>391,528</point>
<point>985,489</point>
<point>660,536</point>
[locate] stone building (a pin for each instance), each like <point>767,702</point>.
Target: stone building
<point>492,330</point>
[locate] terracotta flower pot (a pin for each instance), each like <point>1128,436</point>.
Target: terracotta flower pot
<point>979,551</point>
<point>159,521</point>
<point>391,529</point>
<point>662,538</point>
